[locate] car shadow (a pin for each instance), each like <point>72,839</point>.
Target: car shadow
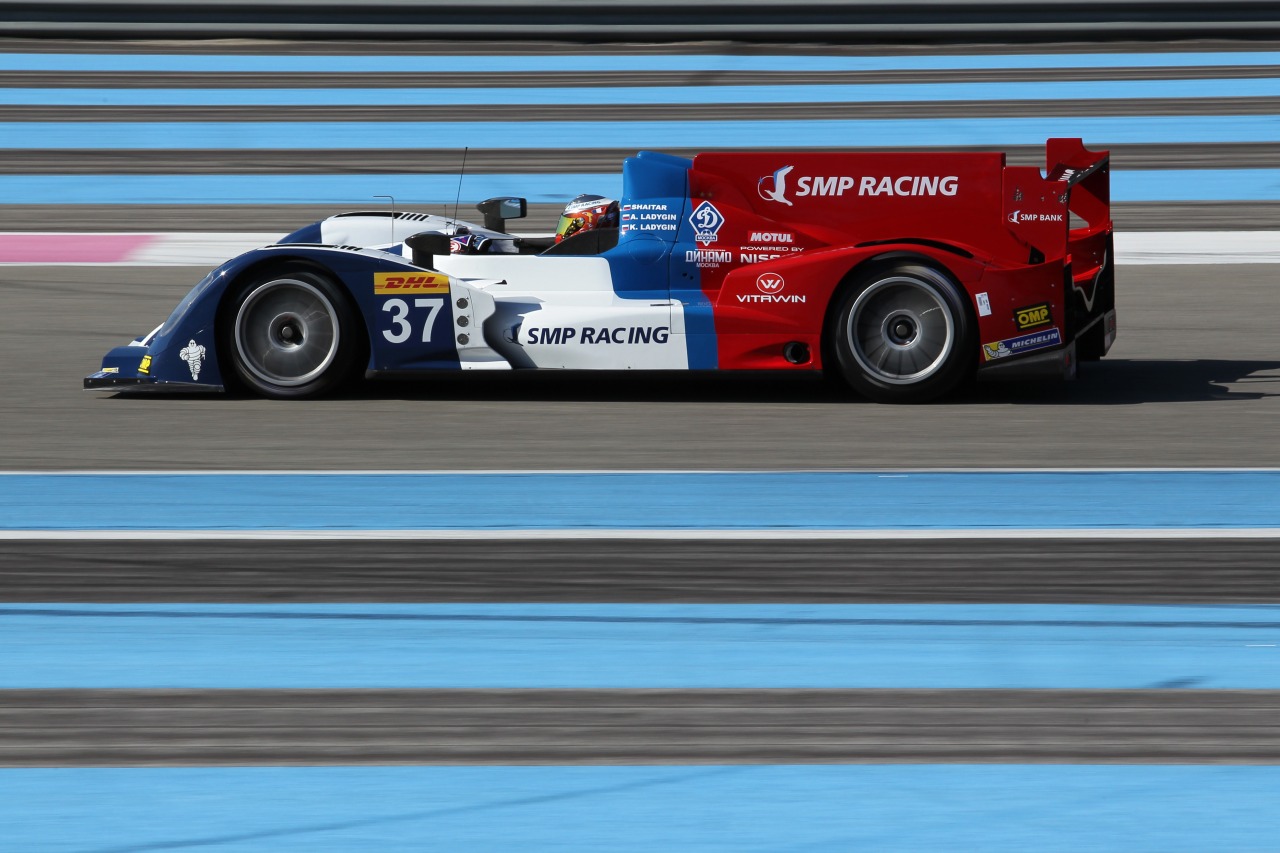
<point>1122,382</point>
<point>1109,382</point>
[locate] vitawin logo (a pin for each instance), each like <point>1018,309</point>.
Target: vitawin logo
<point>399,282</point>
<point>770,285</point>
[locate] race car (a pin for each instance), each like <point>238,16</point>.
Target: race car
<point>903,274</point>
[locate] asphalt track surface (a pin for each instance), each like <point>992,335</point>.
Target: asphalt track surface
<point>1194,381</point>
<point>290,727</point>
<point>641,571</point>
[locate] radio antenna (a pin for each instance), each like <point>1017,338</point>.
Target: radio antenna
<point>393,214</point>
<point>458,197</point>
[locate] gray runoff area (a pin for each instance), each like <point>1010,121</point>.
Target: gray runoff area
<point>1194,381</point>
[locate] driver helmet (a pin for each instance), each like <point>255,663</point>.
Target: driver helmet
<point>585,213</point>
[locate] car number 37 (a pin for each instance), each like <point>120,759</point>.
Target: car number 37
<point>403,325</point>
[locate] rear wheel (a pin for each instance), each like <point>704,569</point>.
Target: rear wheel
<point>292,334</point>
<point>903,335</point>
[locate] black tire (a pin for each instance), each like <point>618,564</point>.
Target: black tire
<point>903,334</point>
<point>291,334</point>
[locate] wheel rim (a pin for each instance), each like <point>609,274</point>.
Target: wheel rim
<point>900,330</point>
<point>287,332</point>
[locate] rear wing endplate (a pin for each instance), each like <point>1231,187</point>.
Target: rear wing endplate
<point>1067,204</point>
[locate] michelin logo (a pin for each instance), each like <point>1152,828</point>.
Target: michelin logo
<point>1025,343</point>
<point>193,354</point>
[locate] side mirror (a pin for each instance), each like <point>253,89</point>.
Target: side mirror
<point>426,246</point>
<point>498,210</point>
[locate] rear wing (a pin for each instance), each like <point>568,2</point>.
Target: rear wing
<point>1066,210</point>
<point>1065,213</point>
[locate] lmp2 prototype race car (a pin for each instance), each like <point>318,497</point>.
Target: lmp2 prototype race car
<point>904,274</point>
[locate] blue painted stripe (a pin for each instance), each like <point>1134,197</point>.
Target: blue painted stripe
<point>242,63</point>
<point>422,190</point>
<point>1093,90</point>
<point>1196,185</point>
<point>713,809</point>
<point>696,135</point>
<point>638,501</point>
<point>639,646</point>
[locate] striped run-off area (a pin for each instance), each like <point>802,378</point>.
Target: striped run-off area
<point>789,658</point>
<point>221,136</point>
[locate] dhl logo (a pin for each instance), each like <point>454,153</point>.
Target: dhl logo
<point>1035,315</point>
<point>398,282</point>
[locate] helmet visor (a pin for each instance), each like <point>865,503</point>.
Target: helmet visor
<point>570,224</point>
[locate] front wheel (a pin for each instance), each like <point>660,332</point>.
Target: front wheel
<point>903,335</point>
<point>292,334</point>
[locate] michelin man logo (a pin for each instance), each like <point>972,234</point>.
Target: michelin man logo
<point>193,355</point>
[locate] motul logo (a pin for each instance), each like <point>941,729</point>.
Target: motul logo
<point>389,282</point>
<point>771,237</point>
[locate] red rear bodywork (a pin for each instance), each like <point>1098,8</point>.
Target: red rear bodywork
<point>1032,249</point>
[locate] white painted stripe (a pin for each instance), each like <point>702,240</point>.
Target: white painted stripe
<point>202,249</point>
<point>1197,247</point>
<point>1132,248</point>
<point>676,534</point>
<point>162,249</point>
<point>453,472</point>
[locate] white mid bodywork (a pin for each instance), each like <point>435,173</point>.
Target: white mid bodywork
<point>513,310</point>
<point>562,312</point>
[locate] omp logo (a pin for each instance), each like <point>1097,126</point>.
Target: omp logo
<point>770,283</point>
<point>1032,316</point>
<point>774,187</point>
<point>772,237</point>
<point>396,282</point>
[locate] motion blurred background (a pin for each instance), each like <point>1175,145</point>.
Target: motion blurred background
<point>1034,616</point>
